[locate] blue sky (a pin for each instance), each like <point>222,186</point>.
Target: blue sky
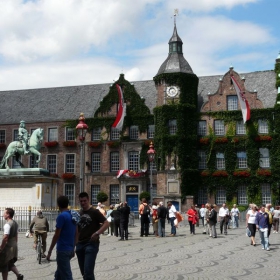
<point>50,43</point>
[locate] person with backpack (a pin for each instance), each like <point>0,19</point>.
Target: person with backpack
<point>144,211</point>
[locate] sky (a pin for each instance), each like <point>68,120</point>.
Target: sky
<point>55,43</point>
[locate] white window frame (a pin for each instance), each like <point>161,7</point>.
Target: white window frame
<point>133,160</point>
<point>240,128</point>
<point>242,195</point>
<point>134,132</point>
<point>70,163</point>
<point>220,161</point>
<point>242,160</point>
<point>114,193</point>
<point>96,134</point>
<point>95,162</point>
<point>70,134</point>
<point>69,191</point>
<point>202,195</point>
<point>15,135</point>
<point>48,164</point>
<point>52,134</point>
<point>202,159</point>
<point>219,127</point>
<point>95,190</point>
<point>266,193</point>
<point>232,102</point>
<point>262,126</point>
<point>202,128</point>
<point>2,136</point>
<point>172,126</point>
<point>114,161</point>
<point>151,131</point>
<point>115,134</point>
<point>220,195</point>
<point>264,158</point>
<point>32,161</point>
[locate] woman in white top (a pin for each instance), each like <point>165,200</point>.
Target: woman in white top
<point>276,216</point>
<point>251,222</point>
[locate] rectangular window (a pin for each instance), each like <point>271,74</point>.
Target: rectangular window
<point>114,161</point>
<point>52,135</point>
<point>172,125</point>
<point>69,191</point>
<point>201,129</point>
<point>15,164</point>
<point>262,126</point>
<point>96,134</point>
<point>202,196</point>
<point>240,128</point>
<point>69,163</point>
<point>264,158</point>
<point>151,131</point>
<point>220,195</point>
<point>219,127</point>
<point>15,136</point>
<point>202,160</point>
<point>232,102</point>
<point>51,163</point>
<point>220,161</point>
<point>242,195</point>
<point>95,162</point>
<point>114,194</point>
<point>115,134</point>
<point>2,136</point>
<point>266,193</point>
<point>70,134</point>
<point>154,191</point>
<point>134,132</point>
<point>32,161</point>
<point>133,161</point>
<point>242,159</point>
<point>95,190</point>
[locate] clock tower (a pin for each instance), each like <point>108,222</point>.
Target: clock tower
<point>168,92</point>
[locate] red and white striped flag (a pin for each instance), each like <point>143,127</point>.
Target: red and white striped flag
<point>118,123</point>
<point>242,100</point>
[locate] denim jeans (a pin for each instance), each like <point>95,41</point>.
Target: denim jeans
<point>264,238</point>
<point>63,271</point>
<point>234,221</point>
<point>173,228</point>
<point>87,253</point>
<point>161,227</point>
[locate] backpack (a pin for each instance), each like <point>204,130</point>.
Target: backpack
<point>75,217</point>
<point>146,210</point>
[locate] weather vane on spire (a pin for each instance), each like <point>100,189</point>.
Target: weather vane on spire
<point>176,12</point>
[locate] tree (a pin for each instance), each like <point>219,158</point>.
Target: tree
<point>102,197</point>
<point>145,195</point>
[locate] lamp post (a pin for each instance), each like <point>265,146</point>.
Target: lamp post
<point>82,131</point>
<point>151,156</point>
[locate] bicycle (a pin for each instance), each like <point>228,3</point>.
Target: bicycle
<point>39,249</point>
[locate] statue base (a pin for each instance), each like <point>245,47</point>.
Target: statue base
<point>25,187</point>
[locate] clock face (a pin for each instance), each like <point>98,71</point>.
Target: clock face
<point>172,91</point>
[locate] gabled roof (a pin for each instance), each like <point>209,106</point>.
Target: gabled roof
<point>66,103</point>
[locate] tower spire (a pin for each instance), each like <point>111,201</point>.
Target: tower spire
<point>176,12</point>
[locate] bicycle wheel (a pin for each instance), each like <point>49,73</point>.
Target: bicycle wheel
<point>39,251</point>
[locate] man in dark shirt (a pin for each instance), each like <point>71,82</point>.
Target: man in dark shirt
<point>124,210</point>
<point>89,231</point>
<point>161,213</point>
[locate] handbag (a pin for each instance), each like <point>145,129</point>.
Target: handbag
<point>248,232</point>
<point>109,219</point>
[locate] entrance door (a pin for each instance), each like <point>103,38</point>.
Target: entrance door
<point>132,201</point>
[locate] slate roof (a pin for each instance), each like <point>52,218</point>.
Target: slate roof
<point>64,103</point>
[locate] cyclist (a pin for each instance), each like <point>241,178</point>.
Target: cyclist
<point>41,226</point>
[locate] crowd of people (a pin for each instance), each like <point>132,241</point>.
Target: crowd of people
<point>80,233</point>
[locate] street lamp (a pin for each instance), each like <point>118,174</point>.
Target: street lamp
<point>82,131</point>
<point>151,156</point>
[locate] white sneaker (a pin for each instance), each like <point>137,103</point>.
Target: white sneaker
<point>210,235</point>
<point>274,231</point>
<point>267,249</point>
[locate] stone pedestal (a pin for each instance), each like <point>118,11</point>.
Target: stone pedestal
<point>25,187</point>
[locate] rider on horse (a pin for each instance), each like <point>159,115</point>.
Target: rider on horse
<point>23,136</point>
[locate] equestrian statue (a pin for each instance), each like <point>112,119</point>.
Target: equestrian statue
<point>25,145</point>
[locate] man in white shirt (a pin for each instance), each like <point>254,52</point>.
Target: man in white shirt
<point>172,216</point>
<point>202,211</point>
<point>235,216</point>
<point>223,216</point>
